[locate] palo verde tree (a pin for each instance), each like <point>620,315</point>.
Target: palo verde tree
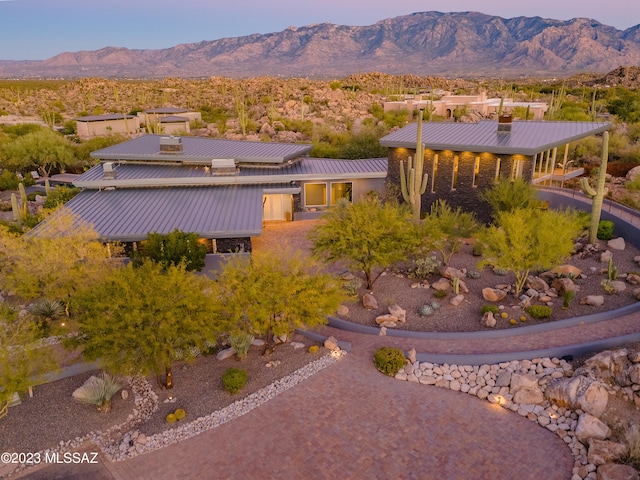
<point>523,240</point>
<point>43,150</point>
<point>173,248</point>
<point>55,259</point>
<point>139,320</point>
<point>22,360</point>
<point>508,195</point>
<point>368,234</point>
<point>275,293</point>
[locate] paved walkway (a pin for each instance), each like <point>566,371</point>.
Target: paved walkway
<point>351,422</point>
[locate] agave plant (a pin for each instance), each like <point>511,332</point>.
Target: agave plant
<point>98,391</point>
<point>47,309</point>
<point>241,342</point>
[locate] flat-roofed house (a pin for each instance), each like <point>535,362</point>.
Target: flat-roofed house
<point>223,190</point>
<point>107,124</point>
<point>462,159</point>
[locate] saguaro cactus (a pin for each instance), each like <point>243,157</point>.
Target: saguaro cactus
<point>597,194</point>
<point>413,183</point>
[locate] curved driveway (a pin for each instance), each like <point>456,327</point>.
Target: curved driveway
<point>351,422</point>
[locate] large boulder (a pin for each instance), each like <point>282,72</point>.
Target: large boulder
<point>579,392</point>
<point>564,284</point>
<point>369,301</point>
<point>616,243</point>
<point>398,312</point>
<point>565,271</point>
<point>590,427</point>
<point>633,173</point>
<point>616,471</point>
<point>441,285</point>
<point>529,396</point>
<point>610,365</point>
<point>451,273</point>
<point>537,283</point>
<point>603,451</point>
<point>520,380</point>
<point>383,319</point>
<point>593,300</point>
<point>493,294</point>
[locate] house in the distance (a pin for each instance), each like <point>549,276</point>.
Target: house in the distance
<point>223,190</point>
<point>168,120</point>
<point>107,124</point>
<point>462,159</point>
<point>446,105</point>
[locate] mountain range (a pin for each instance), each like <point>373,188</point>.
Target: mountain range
<point>427,43</point>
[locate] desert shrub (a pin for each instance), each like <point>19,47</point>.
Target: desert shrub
<point>388,360</point>
<point>632,439</point>
<point>490,308</point>
<point>473,274</point>
<point>440,294</point>
<point>241,342</point>
<point>507,195</point>
<point>539,311</point>
<point>633,185</point>
<point>435,304</point>
<point>501,272</point>
<point>234,380</point>
<point>171,418</point>
<point>424,267</point>
<point>314,349</point>
<point>180,413</point>
<point>9,181</point>
<point>98,391</point>
<point>48,309</point>
<point>171,249</point>
<point>59,196</point>
<point>605,230</point>
<point>353,286</point>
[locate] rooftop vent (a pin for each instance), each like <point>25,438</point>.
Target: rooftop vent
<point>504,123</point>
<point>108,171</point>
<point>170,145</point>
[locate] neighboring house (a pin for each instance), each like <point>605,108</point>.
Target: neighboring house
<point>221,189</point>
<point>446,105</point>
<point>168,120</point>
<point>462,159</point>
<point>107,124</point>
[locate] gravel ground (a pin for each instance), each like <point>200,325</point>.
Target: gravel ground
<point>52,415</point>
<point>395,287</point>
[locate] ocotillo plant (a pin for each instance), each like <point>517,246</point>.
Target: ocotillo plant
<point>413,183</point>
<point>597,194</point>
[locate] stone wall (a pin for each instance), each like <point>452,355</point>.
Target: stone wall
<point>465,194</point>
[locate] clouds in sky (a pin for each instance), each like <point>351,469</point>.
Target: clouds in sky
<point>38,29</point>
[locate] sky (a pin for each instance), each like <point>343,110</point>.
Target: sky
<point>40,29</point>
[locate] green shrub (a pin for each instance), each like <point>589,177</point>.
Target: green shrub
<point>171,249</point>
<point>9,181</point>
<point>490,308</point>
<point>180,413</point>
<point>60,195</point>
<point>539,311</point>
<point>440,294</point>
<point>234,380</point>
<point>314,349</point>
<point>47,309</point>
<point>605,230</point>
<point>389,360</point>
<point>567,298</point>
<point>424,267</point>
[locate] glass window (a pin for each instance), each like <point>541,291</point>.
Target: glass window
<point>456,166</point>
<point>434,173</point>
<point>476,172</point>
<point>315,194</point>
<point>341,190</point>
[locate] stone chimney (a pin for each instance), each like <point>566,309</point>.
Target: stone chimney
<point>504,123</point>
<point>108,172</point>
<point>171,145</point>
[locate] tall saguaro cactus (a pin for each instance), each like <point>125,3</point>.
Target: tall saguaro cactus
<point>413,183</point>
<point>597,194</point>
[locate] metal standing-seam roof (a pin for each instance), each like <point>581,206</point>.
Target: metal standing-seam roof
<point>139,174</point>
<point>525,138</point>
<point>147,147</point>
<point>130,214</point>
<point>104,117</point>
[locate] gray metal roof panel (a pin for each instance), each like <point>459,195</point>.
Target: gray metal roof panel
<point>106,116</point>
<point>527,138</point>
<point>307,167</point>
<point>147,147</point>
<point>167,110</point>
<point>173,118</point>
<point>211,212</point>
